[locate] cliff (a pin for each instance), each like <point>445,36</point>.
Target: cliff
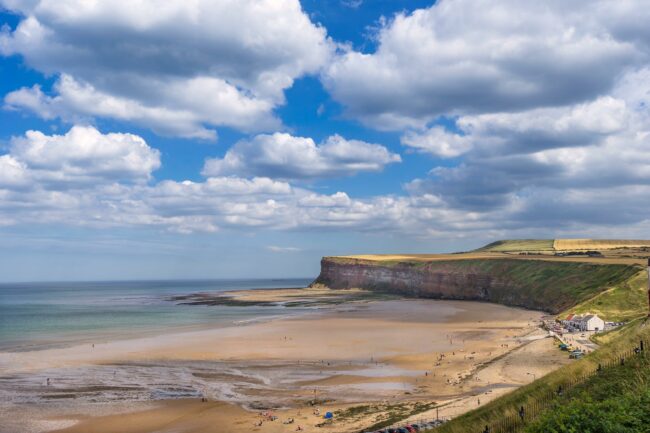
<point>551,286</point>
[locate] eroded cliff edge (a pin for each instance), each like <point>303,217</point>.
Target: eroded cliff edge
<point>551,286</point>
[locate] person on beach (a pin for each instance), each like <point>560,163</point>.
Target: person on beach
<point>48,381</point>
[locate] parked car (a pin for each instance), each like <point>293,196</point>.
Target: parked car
<point>576,354</point>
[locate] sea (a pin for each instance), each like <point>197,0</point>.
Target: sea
<point>35,316</point>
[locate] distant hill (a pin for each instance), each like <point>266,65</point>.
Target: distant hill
<point>516,245</point>
<point>559,245</point>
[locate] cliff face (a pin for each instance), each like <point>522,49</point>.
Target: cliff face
<point>536,284</point>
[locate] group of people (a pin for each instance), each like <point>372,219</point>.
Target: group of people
<point>268,416</point>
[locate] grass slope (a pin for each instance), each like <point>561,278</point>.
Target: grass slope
<point>507,405</point>
<point>622,302</point>
<point>617,400</point>
<point>515,245</point>
<point>552,285</point>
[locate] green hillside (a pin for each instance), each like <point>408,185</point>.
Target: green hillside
<point>617,400</point>
<point>622,302</point>
<point>548,285</point>
<point>552,245</point>
<point>516,245</point>
<point>622,383</point>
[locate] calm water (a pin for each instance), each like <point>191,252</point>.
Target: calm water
<point>35,315</point>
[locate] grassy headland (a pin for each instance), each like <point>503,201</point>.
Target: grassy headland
<point>549,285</point>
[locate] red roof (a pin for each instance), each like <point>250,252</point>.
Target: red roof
<point>570,317</point>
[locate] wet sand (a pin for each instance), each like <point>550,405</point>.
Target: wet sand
<point>389,354</point>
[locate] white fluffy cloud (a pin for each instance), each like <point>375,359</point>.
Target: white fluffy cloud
<point>49,180</point>
<point>82,156</point>
<point>586,149</point>
<point>550,103</point>
<point>527,131</point>
<point>284,156</point>
<point>438,141</point>
<point>479,56</point>
<point>92,179</point>
<point>180,68</point>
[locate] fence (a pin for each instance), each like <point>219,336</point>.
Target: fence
<point>515,422</point>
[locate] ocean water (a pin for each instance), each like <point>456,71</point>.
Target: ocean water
<point>40,315</point>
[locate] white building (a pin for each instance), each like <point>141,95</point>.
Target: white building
<point>588,322</point>
<point>592,322</point>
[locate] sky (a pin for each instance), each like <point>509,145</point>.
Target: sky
<point>249,138</point>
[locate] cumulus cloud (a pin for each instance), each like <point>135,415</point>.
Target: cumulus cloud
<point>82,155</point>
<point>46,179</point>
<point>470,57</point>
<point>588,149</point>
<point>526,131</point>
<point>181,68</point>
<point>551,106</point>
<point>100,180</point>
<point>285,156</point>
<point>438,141</point>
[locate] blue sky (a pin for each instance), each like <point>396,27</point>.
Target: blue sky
<point>248,139</point>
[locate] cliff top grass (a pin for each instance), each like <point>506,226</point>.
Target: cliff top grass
<point>614,251</point>
<point>516,245</point>
<point>389,259</point>
<point>559,245</point>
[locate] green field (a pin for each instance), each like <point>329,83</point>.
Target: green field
<point>552,245</point>
<point>517,245</point>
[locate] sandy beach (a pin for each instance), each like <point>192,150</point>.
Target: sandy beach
<point>364,362</point>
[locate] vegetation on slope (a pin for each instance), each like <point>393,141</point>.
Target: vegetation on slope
<point>597,244</point>
<point>538,390</point>
<point>552,286</point>
<point>515,245</point>
<point>622,302</point>
<point>552,245</point>
<point>614,401</point>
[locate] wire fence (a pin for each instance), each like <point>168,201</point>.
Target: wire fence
<point>521,416</point>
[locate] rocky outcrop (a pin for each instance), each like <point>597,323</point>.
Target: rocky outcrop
<point>551,286</point>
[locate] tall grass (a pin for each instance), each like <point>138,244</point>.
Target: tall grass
<point>539,390</point>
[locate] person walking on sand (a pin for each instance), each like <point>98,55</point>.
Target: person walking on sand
<point>48,381</point>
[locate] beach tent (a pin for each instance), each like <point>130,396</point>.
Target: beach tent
<point>328,415</point>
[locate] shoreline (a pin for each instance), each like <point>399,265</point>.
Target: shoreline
<point>348,355</point>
